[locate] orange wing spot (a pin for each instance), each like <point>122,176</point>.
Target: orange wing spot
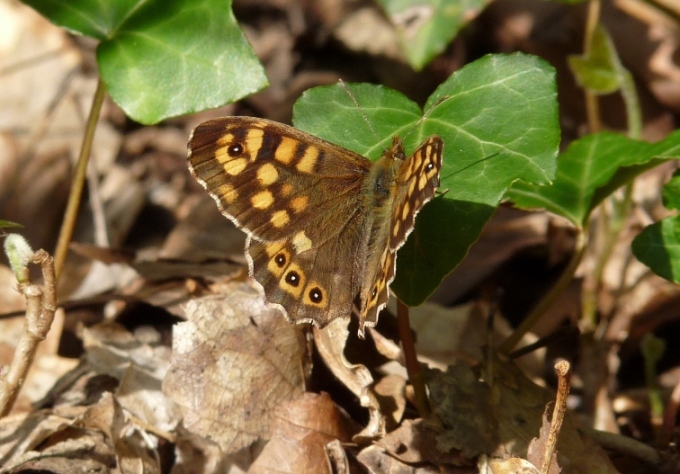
<point>235,167</point>
<point>274,248</point>
<point>286,189</point>
<point>422,181</point>
<point>227,193</point>
<point>395,229</point>
<point>254,139</point>
<point>280,218</point>
<point>262,200</point>
<point>267,174</point>
<point>300,203</point>
<point>405,210</point>
<point>225,140</point>
<point>411,187</point>
<point>308,161</point>
<point>285,152</point>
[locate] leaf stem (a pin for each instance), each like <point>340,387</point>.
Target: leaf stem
<point>415,374</point>
<point>71,213</point>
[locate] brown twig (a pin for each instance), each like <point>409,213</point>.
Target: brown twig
<point>563,370</point>
<point>415,375</point>
<point>40,309</point>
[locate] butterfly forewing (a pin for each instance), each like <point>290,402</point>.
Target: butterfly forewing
<point>271,179</point>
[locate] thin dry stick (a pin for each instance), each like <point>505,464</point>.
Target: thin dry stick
<point>563,370</point>
<point>415,375</point>
<point>40,308</point>
<point>71,214</point>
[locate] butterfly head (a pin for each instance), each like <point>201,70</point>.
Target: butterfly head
<point>396,150</point>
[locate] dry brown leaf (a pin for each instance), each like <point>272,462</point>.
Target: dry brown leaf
<point>506,466</point>
<point>140,369</point>
<point>330,342</point>
<point>414,443</point>
<point>301,429</point>
<point>375,460</point>
<point>538,446</point>
<point>134,448</point>
<point>234,361</point>
<point>501,418</point>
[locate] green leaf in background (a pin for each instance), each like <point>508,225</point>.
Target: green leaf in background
<point>591,169</point>
<point>8,224</point>
<point>498,119</point>
<point>426,27</point>
<point>161,59</point>
<point>598,71</point>
<point>671,192</point>
<point>658,245</point>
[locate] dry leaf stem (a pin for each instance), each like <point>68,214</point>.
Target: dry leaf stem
<point>41,304</point>
<point>71,214</point>
<point>563,370</point>
<point>415,374</point>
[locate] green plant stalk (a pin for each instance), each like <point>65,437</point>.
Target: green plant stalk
<point>630,98</point>
<point>611,228</point>
<point>549,298</point>
<point>415,374</point>
<point>652,351</point>
<point>591,99</point>
<point>71,214</point>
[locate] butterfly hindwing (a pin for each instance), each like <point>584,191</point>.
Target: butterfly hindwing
<point>419,179</point>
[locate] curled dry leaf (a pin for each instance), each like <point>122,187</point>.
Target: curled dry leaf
<point>500,418</point>
<point>301,429</point>
<point>234,361</point>
<point>330,342</point>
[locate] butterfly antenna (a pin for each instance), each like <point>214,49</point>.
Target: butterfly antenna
<point>427,112</point>
<point>356,102</point>
<point>474,163</point>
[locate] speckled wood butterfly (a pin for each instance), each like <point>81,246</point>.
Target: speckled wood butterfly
<point>323,223</point>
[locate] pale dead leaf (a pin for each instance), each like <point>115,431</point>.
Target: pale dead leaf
<point>414,443</point>
<point>234,361</point>
<point>538,446</point>
<point>506,466</point>
<point>140,368</point>
<point>375,460</point>
<point>330,342</point>
<point>136,450</point>
<point>390,393</point>
<point>300,431</point>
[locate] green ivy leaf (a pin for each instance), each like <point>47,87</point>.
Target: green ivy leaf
<point>591,169</point>
<point>426,27</point>
<point>658,247</point>
<point>160,59</point>
<point>671,192</point>
<point>498,119</point>
<point>600,70</point>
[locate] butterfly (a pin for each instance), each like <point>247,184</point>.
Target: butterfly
<point>323,223</point>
